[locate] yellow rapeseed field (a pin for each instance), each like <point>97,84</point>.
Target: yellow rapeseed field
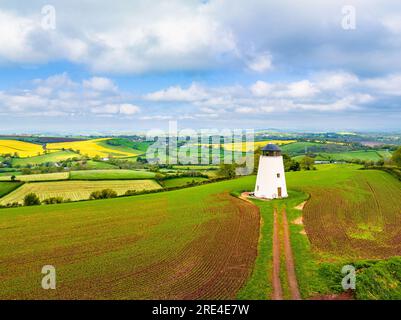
<point>242,146</point>
<point>23,149</point>
<point>92,148</point>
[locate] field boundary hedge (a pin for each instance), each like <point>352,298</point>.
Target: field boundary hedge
<point>392,171</point>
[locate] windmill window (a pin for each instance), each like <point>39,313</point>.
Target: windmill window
<point>278,175</point>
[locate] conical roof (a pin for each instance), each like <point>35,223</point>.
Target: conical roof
<point>271,147</point>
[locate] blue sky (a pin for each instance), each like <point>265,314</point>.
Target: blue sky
<point>125,66</point>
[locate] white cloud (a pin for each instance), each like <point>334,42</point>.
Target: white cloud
<point>335,80</point>
<point>99,84</point>
<point>58,94</point>
<point>301,89</point>
<point>389,85</point>
<point>261,88</point>
<point>138,37</point>
<point>193,93</point>
<point>129,109</point>
<point>260,63</point>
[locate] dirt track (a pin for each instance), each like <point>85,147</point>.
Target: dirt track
<point>277,290</point>
<point>289,260</point>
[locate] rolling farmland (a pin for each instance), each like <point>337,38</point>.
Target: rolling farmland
<point>92,148</point>
<point>111,174</point>
<point>49,157</point>
<point>352,214</point>
<point>75,190</point>
<point>178,182</point>
<point>125,248</point>
<point>39,177</point>
<point>23,149</point>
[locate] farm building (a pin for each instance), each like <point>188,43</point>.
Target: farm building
<point>270,181</point>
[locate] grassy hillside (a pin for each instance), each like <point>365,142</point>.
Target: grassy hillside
<point>124,145</point>
<point>75,190</point>
<point>161,244</point>
<point>368,155</point>
<point>50,157</point>
<point>110,174</point>
<point>178,182</point>
<point>186,244</point>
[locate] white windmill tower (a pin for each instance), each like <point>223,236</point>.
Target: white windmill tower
<point>270,182</point>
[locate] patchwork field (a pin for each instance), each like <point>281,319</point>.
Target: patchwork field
<point>7,187</point>
<point>369,155</point>
<point>23,149</point>
<point>110,174</point>
<point>178,182</point>
<point>239,146</point>
<point>75,190</point>
<point>93,148</point>
<point>39,177</point>
<point>173,245</point>
<point>49,157</point>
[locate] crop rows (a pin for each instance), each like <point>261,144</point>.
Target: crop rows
<point>76,190</point>
<point>359,220</point>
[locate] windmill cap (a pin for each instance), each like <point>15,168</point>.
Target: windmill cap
<point>271,147</point>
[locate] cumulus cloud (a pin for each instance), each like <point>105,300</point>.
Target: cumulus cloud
<point>261,62</point>
<point>138,37</point>
<point>176,93</point>
<point>99,84</point>
<point>60,95</point>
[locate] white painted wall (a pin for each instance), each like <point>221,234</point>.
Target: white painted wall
<point>267,181</point>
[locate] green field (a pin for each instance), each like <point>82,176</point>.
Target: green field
<point>110,174</point>
<point>195,167</point>
<point>178,182</point>
<point>368,155</point>
<point>40,177</point>
<point>122,145</point>
<point>50,157</point>
<point>75,190</point>
<point>161,245</point>
<point>187,244</point>
<point>94,165</point>
<point>7,187</point>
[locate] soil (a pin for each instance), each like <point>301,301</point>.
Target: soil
<point>277,290</point>
<point>289,261</point>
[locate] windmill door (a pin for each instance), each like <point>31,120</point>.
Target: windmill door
<point>279,192</point>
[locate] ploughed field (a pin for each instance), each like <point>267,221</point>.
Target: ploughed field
<point>359,216</point>
<point>187,244</point>
<point>75,190</point>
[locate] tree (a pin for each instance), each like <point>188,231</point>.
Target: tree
<point>227,170</point>
<point>396,158</point>
<point>290,164</point>
<point>307,163</point>
<point>13,178</point>
<point>104,194</point>
<point>31,199</point>
<point>256,159</point>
